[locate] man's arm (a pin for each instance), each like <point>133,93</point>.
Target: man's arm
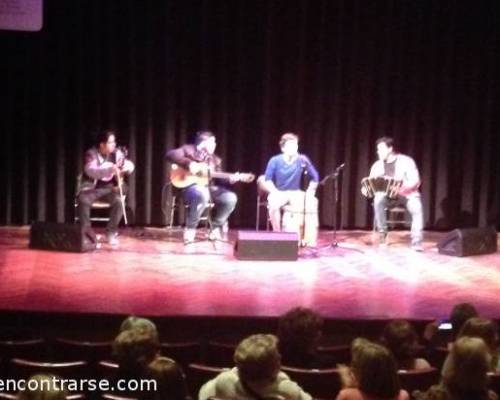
<point>179,157</point>
<point>377,169</point>
<point>94,170</point>
<point>411,178</point>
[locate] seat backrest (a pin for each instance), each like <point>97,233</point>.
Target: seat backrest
<point>319,383</point>
<point>220,353</point>
<point>108,370</point>
<point>198,375</point>
<point>418,379</point>
<point>33,349</point>
<point>495,382</point>
<point>184,353</point>
<point>23,369</point>
<point>89,351</point>
<point>339,354</point>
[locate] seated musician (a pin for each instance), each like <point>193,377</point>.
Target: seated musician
<point>283,178</point>
<point>102,164</point>
<point>401,167</point>
<point>197,158</point>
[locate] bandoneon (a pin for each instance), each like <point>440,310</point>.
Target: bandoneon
<point>389,186</point>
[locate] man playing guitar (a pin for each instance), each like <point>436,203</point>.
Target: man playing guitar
<point>199,160</point>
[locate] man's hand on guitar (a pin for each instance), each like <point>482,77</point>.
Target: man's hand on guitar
<point>234,178</point>
<point>196,167</point>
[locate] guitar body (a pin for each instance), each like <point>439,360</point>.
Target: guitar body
<point>181,178</point>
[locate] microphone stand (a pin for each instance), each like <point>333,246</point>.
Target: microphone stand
<point>334,244</point>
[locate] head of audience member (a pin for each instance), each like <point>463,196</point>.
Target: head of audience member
<point>169,378</point>
<point>459,314</point>
<point>465,370</point>
<point>205,141</point>
<point>43,387</point>
<point>385,147</point>
<point>401,339</point>
<point>134,349</point>
<point>374,369</point>
<point>299,331</point>
<point>289,144</point>
<point>257,359</point>
<point>485,329</point>
<point>106,142</point>
<point>133,322</point>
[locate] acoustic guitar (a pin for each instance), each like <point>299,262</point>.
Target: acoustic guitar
<point>181,178</point>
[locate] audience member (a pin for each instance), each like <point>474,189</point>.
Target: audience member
<point>256,375</point>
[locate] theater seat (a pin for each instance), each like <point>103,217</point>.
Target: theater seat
<point>184,353</point>
<point>418,379</point>
<point>319,383</point>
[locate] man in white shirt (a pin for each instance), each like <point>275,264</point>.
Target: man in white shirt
<point>401,167</point>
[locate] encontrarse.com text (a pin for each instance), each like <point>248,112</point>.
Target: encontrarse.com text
<point>77,385</point>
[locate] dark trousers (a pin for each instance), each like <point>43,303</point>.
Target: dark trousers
<point>87,197</point>
<point>197,198</point>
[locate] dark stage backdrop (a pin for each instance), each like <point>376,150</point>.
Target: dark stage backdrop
<point>338,73</point>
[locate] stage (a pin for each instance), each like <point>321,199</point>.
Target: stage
<point>153,273</point>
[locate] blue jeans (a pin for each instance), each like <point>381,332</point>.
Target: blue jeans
<point>197,198</point>
<point>414,206</point>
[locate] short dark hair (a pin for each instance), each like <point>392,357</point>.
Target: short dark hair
<point>388,141</point>
<point>133,349</point>
<point>200,136</point>
<point>103,136</point>
<point>298,332</point>
<point>401,339</point>
<point>461,313</point>
<point>287,137</point>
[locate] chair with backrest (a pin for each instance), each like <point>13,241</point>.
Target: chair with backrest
<point>23,369</point>
<point>494,378</point>
<point>418,379</point>
<point>92,352</point>
<point>174,208</point>
<point>220,353</point>
<point>339,354</point>
<point>32,348</point>
<point>319,383</point>
<point>97,206</point>
<point>184,353</point>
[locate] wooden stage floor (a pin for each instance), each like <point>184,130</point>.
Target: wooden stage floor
<point>153,274</point>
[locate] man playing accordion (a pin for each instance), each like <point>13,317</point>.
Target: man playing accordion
<point>401,168</point>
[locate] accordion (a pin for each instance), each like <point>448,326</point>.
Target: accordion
<point>388,186</point>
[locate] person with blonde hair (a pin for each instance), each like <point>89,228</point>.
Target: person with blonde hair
<point>257,374</point>
<point>465,373</point>
<point>372,374</point>
<point>487,330</point>
<point>43,387</point>
<point>169,378</point>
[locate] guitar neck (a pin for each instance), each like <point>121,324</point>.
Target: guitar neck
<point>221,175</point>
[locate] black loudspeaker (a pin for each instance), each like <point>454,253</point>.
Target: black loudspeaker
<point>272,246</point>
<point>62,237</point>
<point>469,242</point>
